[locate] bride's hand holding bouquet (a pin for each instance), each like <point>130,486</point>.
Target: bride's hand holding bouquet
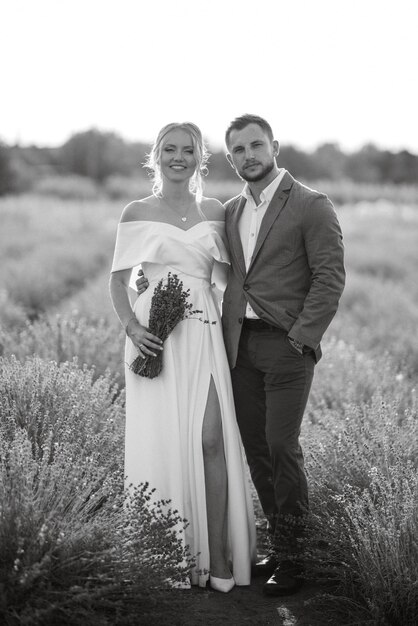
<point>169,306</point>
<point>146,343</point>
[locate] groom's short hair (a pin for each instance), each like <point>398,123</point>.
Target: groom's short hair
<point>243,120</point>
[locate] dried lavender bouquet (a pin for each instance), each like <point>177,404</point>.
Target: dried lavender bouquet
<point>169,306</point>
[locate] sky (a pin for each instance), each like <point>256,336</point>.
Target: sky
<point>342,71</point>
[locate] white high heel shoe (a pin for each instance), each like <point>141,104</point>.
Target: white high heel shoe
<point>222,584</point>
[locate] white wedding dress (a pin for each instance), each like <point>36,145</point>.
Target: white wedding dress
<point>164,415</point>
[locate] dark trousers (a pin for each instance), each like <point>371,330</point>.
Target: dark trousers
<point>271,383</point>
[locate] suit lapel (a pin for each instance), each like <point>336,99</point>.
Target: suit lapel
<point>234,237</point>
<point>273,211</point>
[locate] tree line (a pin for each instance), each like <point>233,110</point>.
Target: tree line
<point>98,155</point>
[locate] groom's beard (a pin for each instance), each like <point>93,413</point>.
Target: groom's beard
<point>254,178</point>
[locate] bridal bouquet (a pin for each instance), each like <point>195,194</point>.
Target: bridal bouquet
<point>169,306</point>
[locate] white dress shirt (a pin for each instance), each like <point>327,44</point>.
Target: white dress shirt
<point>250,222</point>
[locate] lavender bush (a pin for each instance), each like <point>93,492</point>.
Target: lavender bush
<point>75,547</point>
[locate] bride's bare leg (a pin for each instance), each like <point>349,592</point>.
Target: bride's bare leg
<point>216,484</point>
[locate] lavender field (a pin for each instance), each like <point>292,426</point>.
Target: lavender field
<point>63,525</point>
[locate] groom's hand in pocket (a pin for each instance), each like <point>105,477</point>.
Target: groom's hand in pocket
<point>141,283</point>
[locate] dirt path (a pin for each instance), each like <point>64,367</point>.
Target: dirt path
<point>247,605</point>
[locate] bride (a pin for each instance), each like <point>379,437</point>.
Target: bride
<point>181,432</point>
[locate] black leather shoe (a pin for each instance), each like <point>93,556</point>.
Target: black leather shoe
<point>286,579</point>
<point>266,566</point>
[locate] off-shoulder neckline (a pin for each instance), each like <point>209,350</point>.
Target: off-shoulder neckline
<point>184,230</point>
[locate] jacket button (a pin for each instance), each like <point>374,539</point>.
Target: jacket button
<point>246,287</point>
<point>240,320</point>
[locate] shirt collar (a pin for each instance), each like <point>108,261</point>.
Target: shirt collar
<point>269,191</point>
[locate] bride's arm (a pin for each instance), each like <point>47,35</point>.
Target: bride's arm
<point>146,342</point>
<point>118,287</point>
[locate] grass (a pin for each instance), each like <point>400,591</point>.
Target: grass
<point>61,428</point>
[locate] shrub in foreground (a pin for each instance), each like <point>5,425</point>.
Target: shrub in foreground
<point>75,547</point>
<point>362,536</point>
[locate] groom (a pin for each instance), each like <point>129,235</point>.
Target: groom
<point>285,281</point>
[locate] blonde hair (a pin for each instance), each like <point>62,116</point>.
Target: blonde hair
<point>200,153</point>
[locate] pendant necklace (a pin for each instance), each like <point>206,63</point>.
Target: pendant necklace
<point>182,217</point>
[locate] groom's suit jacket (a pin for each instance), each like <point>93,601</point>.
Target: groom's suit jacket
<point>296,275</point>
